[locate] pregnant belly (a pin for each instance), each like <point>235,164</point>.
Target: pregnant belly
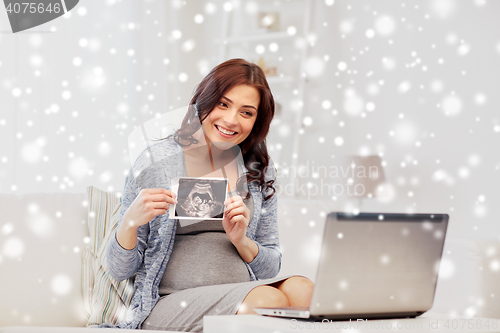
<point>201,260</point>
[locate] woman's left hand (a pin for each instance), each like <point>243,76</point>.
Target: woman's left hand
<point>236,219</point>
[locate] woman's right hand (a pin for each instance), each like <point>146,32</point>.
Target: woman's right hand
<point>147,205</point>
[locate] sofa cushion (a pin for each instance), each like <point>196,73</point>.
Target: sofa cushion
<point>41,239</point>
<point>105,299</point>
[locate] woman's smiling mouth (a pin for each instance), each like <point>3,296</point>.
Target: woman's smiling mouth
<point>224,132</point>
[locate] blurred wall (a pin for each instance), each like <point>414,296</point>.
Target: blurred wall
<point>413,82</point>
<point>72,90</point>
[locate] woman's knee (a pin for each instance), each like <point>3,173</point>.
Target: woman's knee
<point>298,290</point>
<point>263,296</point>
<point>297,283</point>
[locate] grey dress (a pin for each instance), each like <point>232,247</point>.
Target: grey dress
<point>204,276</point>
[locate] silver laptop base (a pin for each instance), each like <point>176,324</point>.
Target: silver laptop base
<point>395,315</point>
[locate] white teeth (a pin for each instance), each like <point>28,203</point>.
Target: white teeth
<point>224,131</point>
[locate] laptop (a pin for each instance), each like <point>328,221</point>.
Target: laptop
<point>374,266</point>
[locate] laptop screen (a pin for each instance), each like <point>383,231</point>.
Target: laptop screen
<point>378,262</point>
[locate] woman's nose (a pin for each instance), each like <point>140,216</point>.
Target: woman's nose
<point>230,117</point>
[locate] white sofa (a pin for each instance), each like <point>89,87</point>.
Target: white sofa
<point>42,236</point>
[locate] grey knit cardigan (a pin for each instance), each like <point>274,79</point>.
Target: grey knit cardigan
<point>158,165</point>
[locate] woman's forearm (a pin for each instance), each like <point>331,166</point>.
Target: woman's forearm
<point>126,235</point>
<point>248,250</point>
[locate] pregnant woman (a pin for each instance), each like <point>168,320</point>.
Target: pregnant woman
<point>211,267</point>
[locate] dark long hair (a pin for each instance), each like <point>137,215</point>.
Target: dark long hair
<point>207,95</point>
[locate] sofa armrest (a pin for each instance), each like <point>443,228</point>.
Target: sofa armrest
<point>42,237</point>
<point>469,278</point>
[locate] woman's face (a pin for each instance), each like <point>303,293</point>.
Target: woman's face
<point>233,118</point>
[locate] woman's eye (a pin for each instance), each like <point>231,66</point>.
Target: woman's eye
<point>222,104</point>
<point>248,113</point>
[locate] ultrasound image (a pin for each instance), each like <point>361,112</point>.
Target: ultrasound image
<point>200,198</point>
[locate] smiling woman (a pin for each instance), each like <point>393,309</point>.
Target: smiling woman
<point>214,267</point>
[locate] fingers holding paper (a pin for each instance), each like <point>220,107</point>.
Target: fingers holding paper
<point>236,219</point>
<point>148,204</point>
